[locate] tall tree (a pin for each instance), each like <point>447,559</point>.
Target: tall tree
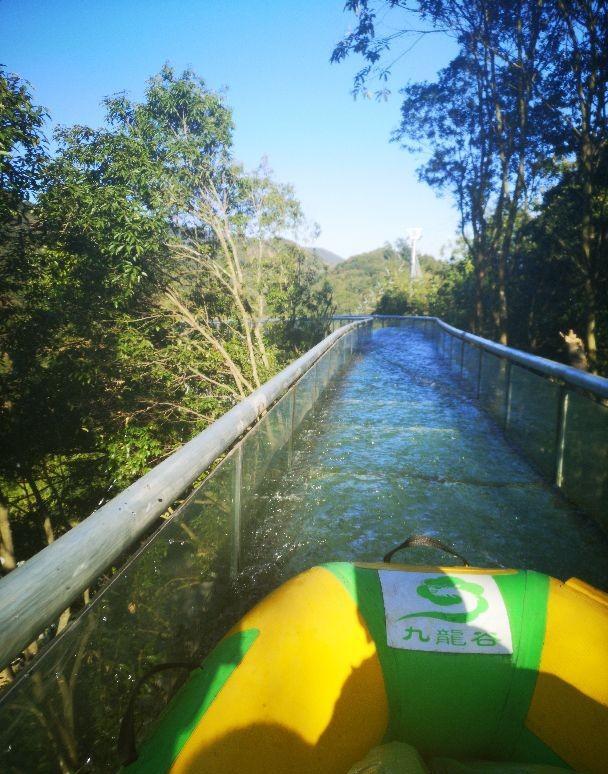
<point>578,89</point>
<point>93,394</point>
<point>131,322</point>
<point>480,121</point>
<point>22,153</point>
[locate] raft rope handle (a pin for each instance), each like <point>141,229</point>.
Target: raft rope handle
<point>414,541</point>
<point>127,748</point>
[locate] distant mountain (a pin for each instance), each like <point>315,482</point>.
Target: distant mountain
<point>359,282</point>
<point>328,258</point>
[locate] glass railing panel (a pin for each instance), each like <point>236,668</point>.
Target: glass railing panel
<point>456,354</point>
<point>443,340</point>
<point>448,347</point>
<point>260,446</point>
<point>330,364</point>
<point>492,386</point>
<point>585,462</point>
<point>567,445</point>
<point>324,367</point>
<point>305,391</point>
<point>347,350</point>
<point>470,364</point>
<point>532,417</point>
<point>169,603</point>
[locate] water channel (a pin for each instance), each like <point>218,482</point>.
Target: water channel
<point>396,447</point>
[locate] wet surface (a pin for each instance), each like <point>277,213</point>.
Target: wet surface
<point>395,447</point>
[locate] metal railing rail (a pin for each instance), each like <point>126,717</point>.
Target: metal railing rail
<point>37,592</point>
<point>597,385</point>
<point>556,415</point>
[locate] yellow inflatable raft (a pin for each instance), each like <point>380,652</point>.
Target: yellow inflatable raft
<point>466,665</point>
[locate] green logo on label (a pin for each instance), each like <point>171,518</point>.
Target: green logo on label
<point>444,591</point>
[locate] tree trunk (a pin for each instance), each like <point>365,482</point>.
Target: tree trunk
<point>8,561</point>
<point>503,336</point>
<point>479,264</point>
<point>590,325</point>
<point>47,524</point>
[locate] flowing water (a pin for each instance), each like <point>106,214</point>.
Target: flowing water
<point>396,447</point>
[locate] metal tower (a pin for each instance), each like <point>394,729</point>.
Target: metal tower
<point>414,235</point>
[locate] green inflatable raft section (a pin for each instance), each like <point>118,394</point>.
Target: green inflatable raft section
<point>467,701</point>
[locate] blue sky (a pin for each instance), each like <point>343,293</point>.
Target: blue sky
<point>289,103</point>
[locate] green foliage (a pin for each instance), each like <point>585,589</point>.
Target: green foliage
<point>120,336</point>
<point>21,146</point>
<point>301,295</point>
<point>394,302</point>
<point>359,281</point>
<point>518,109</point>
<point>379,280</point>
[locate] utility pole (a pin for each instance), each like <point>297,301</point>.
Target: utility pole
<point>414,235</point>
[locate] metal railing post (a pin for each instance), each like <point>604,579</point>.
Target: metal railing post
<point>294,396</point>
<point>478,392</point>
<point>461,357</point>
<point>237,482</point>
<point>562,421</point>
<point>508,396</point>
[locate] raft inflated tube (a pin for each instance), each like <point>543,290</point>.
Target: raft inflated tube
<point>499,665</point>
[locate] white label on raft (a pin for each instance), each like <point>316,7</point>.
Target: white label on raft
<point>448,613</point>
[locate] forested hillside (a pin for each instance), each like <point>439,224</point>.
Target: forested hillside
<point>379,281</point>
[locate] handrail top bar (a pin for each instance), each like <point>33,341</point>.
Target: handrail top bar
<point>34,594</point>
<point>598,385</point>
<point>404,317</point>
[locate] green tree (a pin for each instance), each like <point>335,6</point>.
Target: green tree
<point>22,153</point>
<point>550,285</point>
<point>299,293</point>
<point>94,396</point>
<point>577,92</point>
<point>480,121</point>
